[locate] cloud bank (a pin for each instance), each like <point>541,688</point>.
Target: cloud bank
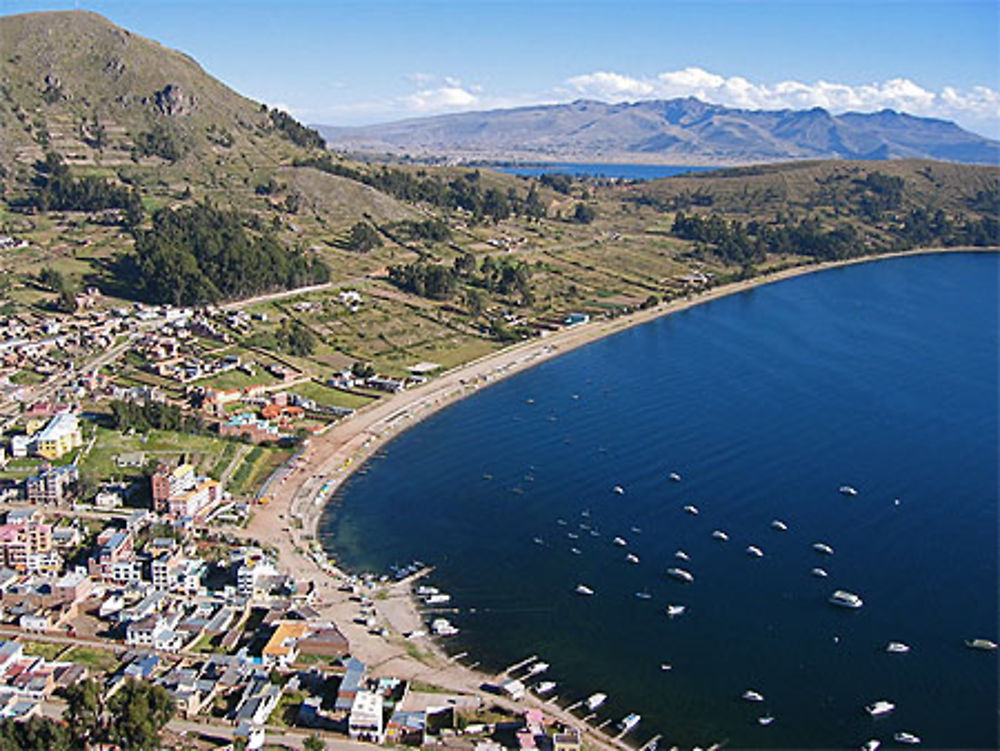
<point>978,107</point>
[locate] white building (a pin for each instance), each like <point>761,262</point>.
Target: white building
<point>365,723</point>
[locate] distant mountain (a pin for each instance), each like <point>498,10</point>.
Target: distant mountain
<point>686,131</point>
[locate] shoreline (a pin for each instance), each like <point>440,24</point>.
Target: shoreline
<point>334,456</point>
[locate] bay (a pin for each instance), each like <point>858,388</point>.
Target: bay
<point>600,169</point>
<point>882,375</point>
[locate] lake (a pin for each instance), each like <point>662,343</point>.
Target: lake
<point>623,171</point>
<point>882,376</point>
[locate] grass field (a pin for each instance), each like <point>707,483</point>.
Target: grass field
<point>101,660</point>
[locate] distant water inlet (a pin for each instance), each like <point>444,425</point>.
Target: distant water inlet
<point>815,464</point>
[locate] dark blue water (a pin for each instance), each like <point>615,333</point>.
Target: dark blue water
<point>882,375</point>
<point>623,171</point>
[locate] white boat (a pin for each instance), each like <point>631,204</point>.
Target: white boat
<point>765,719</point>
<point>681,574</point>
<point>575,551</point>
<point>682,556</point>
<point>779,525</point>
<point>751,695</point>
<point>618,489</point>
<point>693,510</point>
<point>643,595</point>
<point>629,721</point>
<point>572,535</point>
<point>674,477</point>
<point>443,627</point>
<point>718,534</point>
<point>846,599</point>
<point>538,668</point>
<point>675,610</point>
<point>595,700</point>
<point>847,490</point>
<point>898,647</point>
<point>538,541</point>
<point>820,572</point>
<point>666,666</point>
<point>437,599</point>
<point>984,644</point>
<point>632,558</point>
<point>544,687</point>
<point>561,522</point>
<point>881,707</point>
<point>636,530</point>
<point>908,738</point>
<point>871,745</point>
<point>753,550</point>
<point>423,590</point>
<point>583,589</point>
<point>620,542</point>
<point>822,547</point>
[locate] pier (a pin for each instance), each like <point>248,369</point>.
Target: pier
<point>519,665</point>
<point>651,743</point>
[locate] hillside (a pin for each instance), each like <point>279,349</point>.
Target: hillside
<point>678,131</point>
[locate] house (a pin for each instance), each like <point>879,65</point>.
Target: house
<point>179,493</point>
<point>350,685</point>
<point>568,740</point>
<point>407,728</point>
<point>325,641</point>
<point>20,542</point>
<point>365,721</point>
<point>575,319</point>
<point>245,424</point>
<point>51,485</point>
<point>61,435</point>
<point>282,648</point>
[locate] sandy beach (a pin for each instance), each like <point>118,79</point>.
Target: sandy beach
<point>331,458</point>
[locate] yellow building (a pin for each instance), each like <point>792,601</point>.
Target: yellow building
<point>283,646</point>
<point>61,435</point>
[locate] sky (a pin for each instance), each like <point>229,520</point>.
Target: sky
<point>362,61</point>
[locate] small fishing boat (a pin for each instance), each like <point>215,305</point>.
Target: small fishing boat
<point>820,572</point>
<point>665,666</point>
<point>674,477</point>
<point>618,489</point>
<point>629,722</point>
<point>620,542</point>
<point>754,552</point>
<point>674,611</point>
<point>879,708</point>
<point>538,668</point>
<point>573,535</point>
<point>682,556</point>
<point>846,599</point>
<point>545,687</point>
<point>718,534</point>
<point>822,547</point>
<point>766,719</point>
<point>897,647</point>
<point>693,510</point>
<point>871,745</point>
<point>538,541</point>
<point>583,589</point>
<point>908,738</point>
<point>681,574</point>
<point>779,525</point>
<point>636,530</point>
<point>847,490</point>
<point>595,700</point>
<point>983,644</point>
<point>575,551</point>
<point>632,558</point>
<point>643,595</point>
<point>751,695</point>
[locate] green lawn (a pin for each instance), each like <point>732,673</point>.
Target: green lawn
<point>202,450</point>
<point>324,395</point>
<point>102,660</point>
<point>42,649</point>
<point>255,468</point>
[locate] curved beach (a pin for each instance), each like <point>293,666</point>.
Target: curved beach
<point>331,457</point>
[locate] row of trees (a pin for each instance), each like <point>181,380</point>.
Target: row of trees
<point>145,416</point>
<point>441,282</point>
<point>201,254</point>
<point>291,337</point>
<point>295,131</point>
<point>57,190</point>
<point>131,719</point>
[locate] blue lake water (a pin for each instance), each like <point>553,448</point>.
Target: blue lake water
<point>624,171</point>
<point>883,376</point>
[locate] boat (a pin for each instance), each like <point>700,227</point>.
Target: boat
<point>585,513</point>
<point>666,666</point>
<point>718,534</point>
<point>594,533</point>
<point>681,574</point>
<point>620,542</point>
<point>538,541</point>
<point>595,700</point>
<point>820,572</point>
<point>618,489</point>
<point>751,695</point>
<point>822,547</point>
<point>693,510</point>
<point>643,595</point>
<point>437,599</point>
<point>544,687</point>
<point>575,551</point>
<point>632,558</point>
<point>573,535</point>
<point>636,530</point>
<point>754,551</point>
<point>984,644</point>
<point>538,668</point>
<point>871,745</point>
<point>881,707</point>
<point>847,490</point>
<point>779,525</point>
<point>846,599</point>
<point>682,556</point>
<point>443,627</point>
<point>675,610</point>
<point>908,738</point>
<point>561,522</point>
<point>898,647</point>
<point>629,721</point>
<point>583,589</point>
<point>766,719</point>
<point>674,477</point>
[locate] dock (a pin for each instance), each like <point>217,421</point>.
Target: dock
<point>519,665</point>
<point>651,743</point>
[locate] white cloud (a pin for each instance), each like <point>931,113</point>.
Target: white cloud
<point>978,107</point>
<point>442,98</point>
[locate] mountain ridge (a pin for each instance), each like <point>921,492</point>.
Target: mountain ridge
<point>681,130</point>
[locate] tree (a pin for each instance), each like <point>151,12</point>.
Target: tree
<point>35,734</point>
<point>298,339</point>
<point>474,302</point>
<point>139,711</point>
<point>584,213</point>
<point>363,369</point>
<point>84,714</point>
<point>314,743</point>
<point>363,238</point>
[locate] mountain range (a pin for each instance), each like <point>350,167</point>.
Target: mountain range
<point>679,131</point>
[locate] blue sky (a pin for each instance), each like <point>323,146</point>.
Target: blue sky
<point>376,60</point>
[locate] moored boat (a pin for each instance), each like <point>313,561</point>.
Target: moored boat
<point>754,551</point>
<point>595,700</point>
<point>618,489</point>
<point>629,722</point>
<point>846,599</point>
<point>880,707</point>
<point>982,644</point>
<point>847,490</point>
<point>583,589</point>
<point>681,574</point>
<point>675,477</point>
<point>908,738</point>
<point>751,695</point>
<point>620,542</point>
<point>779,525</point>
<point>822,547</point>
<point>766,719</point>
<point>897,647</point>
<point>632,558</point>
<point>820,572</point>
<point>545,687</point>
<point>538,668</point>
<point>681,555</point>
<point>675,610</point>
<point>693,510</point>
<point>643,595</point>
<point>718,534</point>
<point>871,745</point>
